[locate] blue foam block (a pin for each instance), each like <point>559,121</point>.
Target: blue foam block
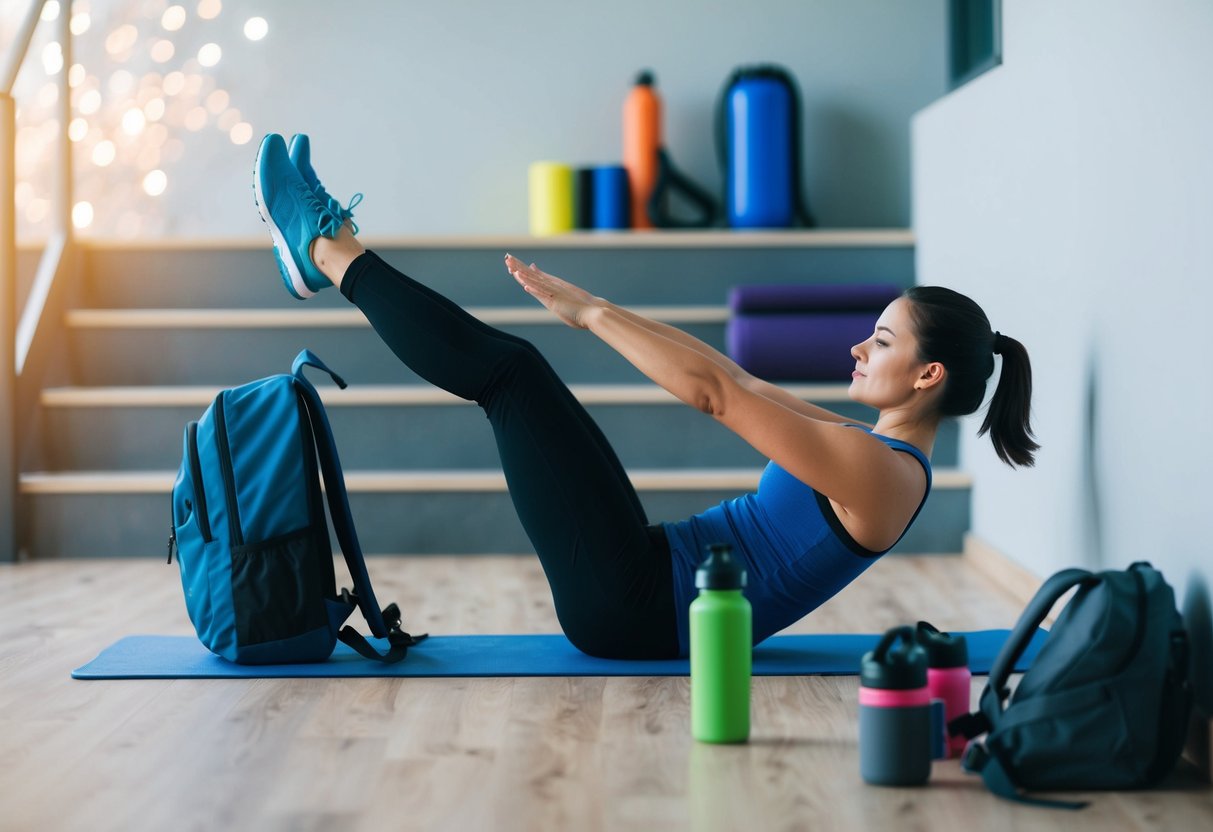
<point>184,657</point>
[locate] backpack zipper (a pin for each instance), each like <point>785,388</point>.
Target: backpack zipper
<point>229,477</point>
<point>204,519</point>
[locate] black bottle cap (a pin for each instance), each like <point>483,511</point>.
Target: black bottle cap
<point>719,570</point>
<point>645,78</point>
<point>899,666</point>
<point>943,649</point>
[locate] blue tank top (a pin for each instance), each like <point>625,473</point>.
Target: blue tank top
<point>796,552</point>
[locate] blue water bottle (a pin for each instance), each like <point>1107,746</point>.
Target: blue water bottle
<point>759,130</point>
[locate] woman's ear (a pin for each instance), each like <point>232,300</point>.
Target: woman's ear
<point>932,375</point>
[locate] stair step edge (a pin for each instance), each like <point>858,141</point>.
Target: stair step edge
<point>372,482</point>
<point>386,394</point>
<point>185,318</point>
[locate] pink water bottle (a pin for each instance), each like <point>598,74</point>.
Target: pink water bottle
<point>948,676</point>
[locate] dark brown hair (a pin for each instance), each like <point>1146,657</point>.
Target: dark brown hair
<point>954,331</point>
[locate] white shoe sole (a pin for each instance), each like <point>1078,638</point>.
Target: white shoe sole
<point>297,282</point>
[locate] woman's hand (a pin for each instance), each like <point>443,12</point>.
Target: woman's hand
<point>564,300</point>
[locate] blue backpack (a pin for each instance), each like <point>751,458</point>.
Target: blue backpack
<point>250,532</point>
<point>1106,702</point>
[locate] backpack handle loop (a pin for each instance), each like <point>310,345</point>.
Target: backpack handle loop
<point>1031,619</point>
<point>307,358</point>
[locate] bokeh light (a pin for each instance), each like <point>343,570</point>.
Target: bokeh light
<point>82,214</point>
<point>162,51</point>
<point>209,54</point>
<point>145,98</point>
<point>104,153</point>
<point>173,18</point>
<point>52,58</point>
<point>255,28</point>
<point>155,183</point>
<point>209,9</point>
<point>90,102</point>
<point>241,133</point>
<point>133,121</point>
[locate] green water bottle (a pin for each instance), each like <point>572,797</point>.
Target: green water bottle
<point>720,650</point>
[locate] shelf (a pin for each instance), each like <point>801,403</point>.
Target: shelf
<point>708,239</point>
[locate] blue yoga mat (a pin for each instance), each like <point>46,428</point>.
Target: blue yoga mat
<point>184,657</point>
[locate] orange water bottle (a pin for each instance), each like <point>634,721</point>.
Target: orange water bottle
<point>641,140</point>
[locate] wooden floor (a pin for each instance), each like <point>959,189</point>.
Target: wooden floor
<point>467,754</point>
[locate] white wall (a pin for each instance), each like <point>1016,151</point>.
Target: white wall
<point>435,109</point>
<point>1070,192</point>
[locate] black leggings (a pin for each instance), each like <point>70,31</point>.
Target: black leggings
<point>609,570</point>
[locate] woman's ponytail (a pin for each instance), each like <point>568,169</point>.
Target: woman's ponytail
<point>1007,417</point>
<point>954,331</point>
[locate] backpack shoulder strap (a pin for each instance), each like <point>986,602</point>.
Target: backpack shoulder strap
<point>384,623</point>
<point>1029,621</point>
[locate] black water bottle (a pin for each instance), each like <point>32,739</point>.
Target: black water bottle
<point>895,712</point>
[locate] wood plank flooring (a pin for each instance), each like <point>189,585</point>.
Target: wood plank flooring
<point>468,754</point>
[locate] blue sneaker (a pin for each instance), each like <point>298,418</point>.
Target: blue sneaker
<point>301,157</point>
<point>295,216</point>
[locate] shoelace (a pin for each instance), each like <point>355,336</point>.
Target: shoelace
<point>328,222</point>
<point>346,213</point>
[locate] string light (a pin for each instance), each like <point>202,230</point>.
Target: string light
<point>241,133</point>
<point>209,54</point>
<point>52,58</point>
<point>129,124</point>
<point>173,18</point>
<point>162,51</point>
<point>104,153</point>
<point>82,214</point>
<point>255,28</point>
<point>209,9</point>
<point>90,102</point>
<point>133,121</point>
<point>155,183</point>
<point>121,40</point>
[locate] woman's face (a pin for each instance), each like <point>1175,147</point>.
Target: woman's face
<point>887,368</point>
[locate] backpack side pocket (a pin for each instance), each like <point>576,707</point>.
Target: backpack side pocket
<point>278,591</point>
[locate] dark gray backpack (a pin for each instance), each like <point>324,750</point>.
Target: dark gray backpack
<point>1106,703</point>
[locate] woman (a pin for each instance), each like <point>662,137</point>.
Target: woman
<point>834,497</point>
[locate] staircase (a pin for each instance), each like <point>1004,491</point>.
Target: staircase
<point>161,327</point>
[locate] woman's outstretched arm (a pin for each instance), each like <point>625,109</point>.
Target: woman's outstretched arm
<point>742,377</point>
<point>859,472</point>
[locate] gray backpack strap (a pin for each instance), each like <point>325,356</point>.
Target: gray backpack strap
<point>978,758</point>
<point>1029,622</point>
